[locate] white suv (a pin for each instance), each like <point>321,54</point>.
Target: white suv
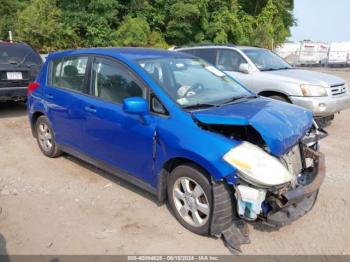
<point>269,75</point>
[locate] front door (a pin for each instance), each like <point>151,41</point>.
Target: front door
<point>229,61</point>
<point>119,139</point>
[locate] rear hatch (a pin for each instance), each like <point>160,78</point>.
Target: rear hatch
<point>19,64</point>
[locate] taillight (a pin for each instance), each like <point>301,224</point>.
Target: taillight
<point>32,87</point>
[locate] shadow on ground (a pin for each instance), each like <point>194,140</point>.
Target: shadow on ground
<point>12,109</point>
<point>113,178</point>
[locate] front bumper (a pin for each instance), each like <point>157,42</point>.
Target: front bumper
<point>323,106</point>
<point>13,93</point>
<point>293,204</point>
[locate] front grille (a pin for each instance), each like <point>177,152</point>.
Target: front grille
<point>337,90</point>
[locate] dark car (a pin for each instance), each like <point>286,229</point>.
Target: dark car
<point>19,65</point>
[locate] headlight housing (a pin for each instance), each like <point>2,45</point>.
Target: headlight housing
<point>256,166</point>
<point>313,90</point>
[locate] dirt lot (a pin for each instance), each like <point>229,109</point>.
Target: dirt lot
<point>64,206</point>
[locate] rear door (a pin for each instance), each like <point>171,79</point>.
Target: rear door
<point>67,86</point>
<point>119,139</point>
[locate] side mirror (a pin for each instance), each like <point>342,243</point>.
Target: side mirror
<point>244,68</point>
<point>135,106</point>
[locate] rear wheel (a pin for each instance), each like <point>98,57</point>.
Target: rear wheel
<point>46,137</point>
<point>190,198</point>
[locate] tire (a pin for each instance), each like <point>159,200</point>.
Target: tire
<point>46,137</point>
<point>280,98</point>
<point>190,198</point>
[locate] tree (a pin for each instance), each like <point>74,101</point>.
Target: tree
<point>8,15</point>
<point>94,22</point>
<point>40,25</point>
<point>136,32</point>
<point>57,24</point>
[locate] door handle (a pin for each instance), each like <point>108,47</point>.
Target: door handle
<point>90,109</point>
<point>49,96</point>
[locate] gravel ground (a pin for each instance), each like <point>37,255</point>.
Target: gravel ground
<point>65,206</point>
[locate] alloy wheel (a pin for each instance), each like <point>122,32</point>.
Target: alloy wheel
<point>45,137</point>
<point>191,201</point>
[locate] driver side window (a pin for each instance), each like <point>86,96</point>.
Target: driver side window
<point>113,82</point>
<point>229,60</point>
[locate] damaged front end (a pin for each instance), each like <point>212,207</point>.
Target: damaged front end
<point>276,190</point>
<point>280,204</point>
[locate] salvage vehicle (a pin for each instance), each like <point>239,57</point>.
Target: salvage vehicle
<point>183,130</point>
<point>19,65</point>
<point>269,75</point>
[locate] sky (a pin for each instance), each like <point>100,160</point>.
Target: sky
<point>321,20</point>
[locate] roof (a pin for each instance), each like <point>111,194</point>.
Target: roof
<point>243,47</point>
<point>130,53</point>
<point>7,42</point>
<point>218,46</point>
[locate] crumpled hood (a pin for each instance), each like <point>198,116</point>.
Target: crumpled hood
<point>280,124</point>
<point>308,77</point>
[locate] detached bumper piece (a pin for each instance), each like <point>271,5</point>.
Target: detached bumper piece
<point>295,203</point>
<point>225,223</point>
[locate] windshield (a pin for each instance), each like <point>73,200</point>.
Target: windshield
<point>18,54</point>
<point>192,82</point>
<point>266,60</point>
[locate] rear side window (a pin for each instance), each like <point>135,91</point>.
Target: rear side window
<point>113,82</point>
<point>207,54</point>
<point>69,73</point>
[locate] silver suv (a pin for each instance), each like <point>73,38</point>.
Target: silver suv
<point>269,75</point>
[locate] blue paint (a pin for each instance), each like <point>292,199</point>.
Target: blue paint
<point>280,124</point>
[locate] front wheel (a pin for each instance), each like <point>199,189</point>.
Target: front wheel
<point>190,198</point>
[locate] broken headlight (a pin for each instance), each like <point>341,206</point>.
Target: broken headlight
<point>256,166</point>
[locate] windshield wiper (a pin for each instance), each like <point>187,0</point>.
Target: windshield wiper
<point>276,69</point>
<point>237,98</point>
<point>200,105</point>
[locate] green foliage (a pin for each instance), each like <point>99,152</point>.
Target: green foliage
<point>40,24</point>
<point>59,24</point>
<point>8,15</point>
<point>136,32</point>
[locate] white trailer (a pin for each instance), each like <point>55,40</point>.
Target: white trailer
<point>339,53</point>
<point>289,51</point>
<point>313,53</point>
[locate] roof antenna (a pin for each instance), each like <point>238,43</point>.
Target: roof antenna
<point>10,36</point>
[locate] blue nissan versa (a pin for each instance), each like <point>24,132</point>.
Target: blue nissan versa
<point>181,129</point>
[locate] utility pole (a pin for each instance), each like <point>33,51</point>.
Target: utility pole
<point>10,36</point>
<point>272,43</point>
